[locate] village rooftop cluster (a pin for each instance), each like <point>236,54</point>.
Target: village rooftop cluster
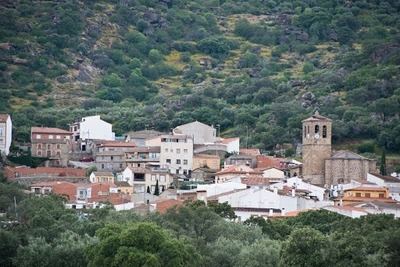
<point>147,171</point>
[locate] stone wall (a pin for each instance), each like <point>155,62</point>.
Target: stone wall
<point>345,170</point>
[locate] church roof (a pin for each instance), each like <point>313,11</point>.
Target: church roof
<point>345,154</point>
<point>317,117</point>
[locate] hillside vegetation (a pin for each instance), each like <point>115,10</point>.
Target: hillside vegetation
<point>256,67</point>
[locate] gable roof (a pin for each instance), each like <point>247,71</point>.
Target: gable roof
<point>345,154</point>
<point>99,173</point>
<point>164,205</point>
<point>4,117</point>
<point>49,130</point>
<point>317,117</point>
<point>264,161</point>
<point>249,151</point>
<point>194,123</point>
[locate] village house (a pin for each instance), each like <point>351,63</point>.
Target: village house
<point>176,153</point>
<point>81,195</point>
<point>232,144</point>
<point>250,152</point>
<point>204,175</point>
<point>357,210</point>
<point>233,171</point>
<point>124,187</point>
<point>297,183</point>
<point>206,161</point>
<point>5,134</point>
<point>390,182</point>
<point>91,128</point>
<point>139,137</point>
<point>143,156</point>
<point>101,177</point>
<point>364,193</point>
<point>145,179</point>
<point>51,143</point>
<point>273,174</point>
<point>266,203</point>
<point>110,156</point>
<point>199,132</point>
<point>238,160</point>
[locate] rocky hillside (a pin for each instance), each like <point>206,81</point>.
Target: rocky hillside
<point>250,66</point>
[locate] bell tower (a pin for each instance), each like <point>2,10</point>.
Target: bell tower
<point>317,142</point>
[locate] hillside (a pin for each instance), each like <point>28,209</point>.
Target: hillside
<point>250,66</point>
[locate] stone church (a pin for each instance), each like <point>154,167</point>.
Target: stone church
<point>320,166</point>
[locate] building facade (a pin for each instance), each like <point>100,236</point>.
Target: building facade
<point>145,179</point>
<point>206,161</point>
<point>201,133</point>
<point>5,133</point>
<point>92,127</point>
<point>317,142</point>
<point>110,156</point>
<point>51,143</point>
<point>176,153</point>
<point>345,166</point>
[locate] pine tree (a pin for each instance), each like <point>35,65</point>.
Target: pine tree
<point>383,163</point>
<point>157,189</point>
<point>148,190</point>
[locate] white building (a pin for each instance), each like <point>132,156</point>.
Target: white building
<point>265,203</point>
<point>232,144</point>
<point>273,174</point>
<point>392,183</point>
<point>92,128</point>
<point>5,133</point>
<point>201,133</point>
<point>143,178</point>
<point>176,153</point>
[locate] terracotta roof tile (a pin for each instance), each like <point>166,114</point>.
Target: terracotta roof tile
<point>49,130</point>
<point>264,161</point>
<point>164,205</point>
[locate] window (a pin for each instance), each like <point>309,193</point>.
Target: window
<point>168,161</point>
<point>305,133</point>
<point>185,151</point>
<point>58,137</point>
<point>58,146</point>
<point>171,150</point>
<point>178,151</point>
<point>48,153</point>
<point>51,136</point>
<point>102,166</point>
<point>316,128</point>
<point>39,146</point>
<point>185,162</point>
<point>38,136</point>
<point>324,131</point>
<point>39,153</point>
<point>358,194</point>
<point>120,165</point>
<point>367,195</point>
<point>166,150</point>
<point>58,153</point>
<point>1,131</point>
<point>112,158</point>
<point>381,195</point>
<point>177,171</point>
<point>178,161</point>
<point>153,177</point>
<point>48,146</point>
<point>162,178</point>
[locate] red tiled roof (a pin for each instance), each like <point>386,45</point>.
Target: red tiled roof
<point>117,144</point>
<point>48,130</point>
<point>11,172</point>
<point>228,140</point>
<point>249,151</point>
<point>365,188</point>
<point>237,169</point>
<point>264,161</point>
<point>163,206</point>
<point>4,117</point>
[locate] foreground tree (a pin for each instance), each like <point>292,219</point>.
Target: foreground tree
<point>139,244</point>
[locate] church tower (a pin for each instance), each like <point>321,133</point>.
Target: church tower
<point>317,140</point>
